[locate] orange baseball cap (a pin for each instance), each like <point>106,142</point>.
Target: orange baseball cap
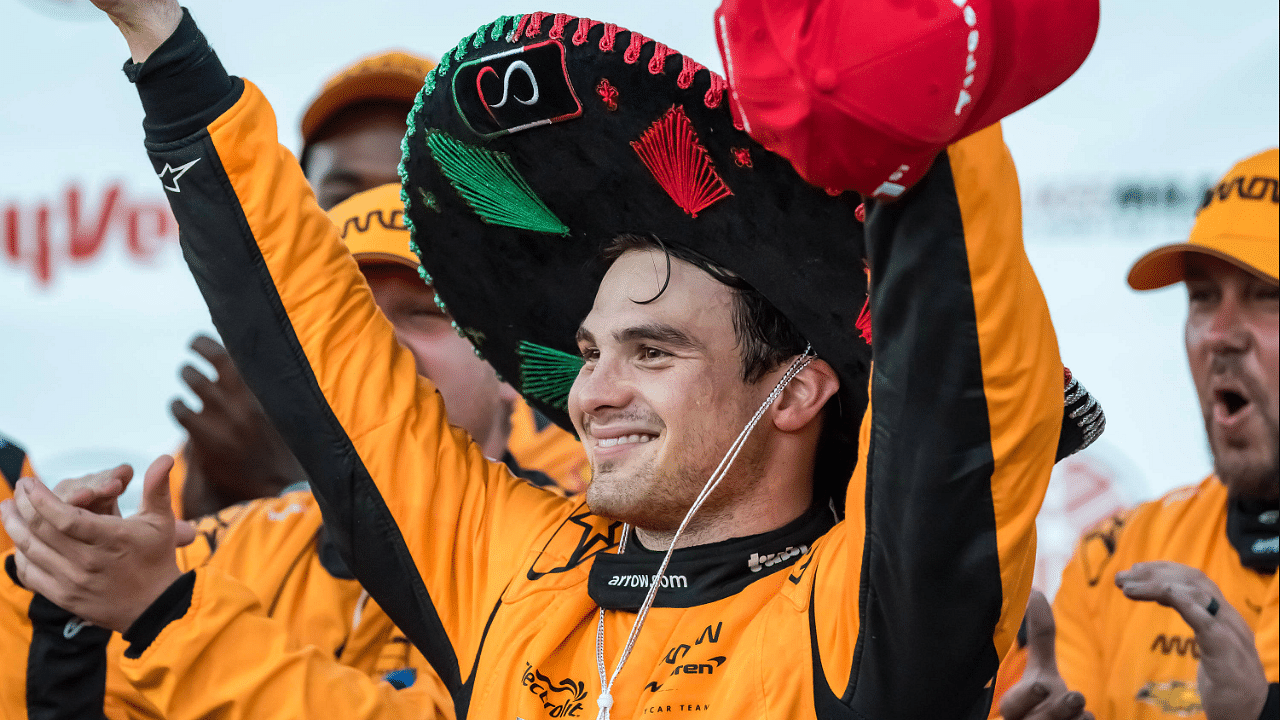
<point>393,76</point>
<point>371,223</point>
<point>1239,221</point>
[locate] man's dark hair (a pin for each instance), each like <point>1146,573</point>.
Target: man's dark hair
<point>766,336</point>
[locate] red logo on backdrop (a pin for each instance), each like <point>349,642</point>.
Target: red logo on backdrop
<point>76,228</point>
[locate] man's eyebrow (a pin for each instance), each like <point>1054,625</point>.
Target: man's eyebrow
<point>658,332</point>
<point>584,336</point>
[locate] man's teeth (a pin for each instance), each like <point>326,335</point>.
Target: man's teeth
<point>625,439</point>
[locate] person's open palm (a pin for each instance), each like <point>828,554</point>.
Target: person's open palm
<point>1230,678</point>
<point>103,568</point>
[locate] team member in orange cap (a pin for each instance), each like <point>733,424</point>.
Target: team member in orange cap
<point>351,130</point>
<point>1170,610</point>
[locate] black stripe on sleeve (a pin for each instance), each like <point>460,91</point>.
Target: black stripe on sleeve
<point>249,315</point>
<point>66,662</point>
<point>172,604</point>
<point>1271,711</point>
<point>11,459</point>
<point>931,588</point>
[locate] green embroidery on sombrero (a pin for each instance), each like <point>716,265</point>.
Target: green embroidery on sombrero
<point>496,30</point>
<point>547,374</point>
<point>492,186</point>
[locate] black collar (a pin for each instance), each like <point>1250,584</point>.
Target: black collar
<point>1252,530</point>
<point>704,573</point>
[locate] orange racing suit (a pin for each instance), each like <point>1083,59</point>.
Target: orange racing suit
<point>902,609</point>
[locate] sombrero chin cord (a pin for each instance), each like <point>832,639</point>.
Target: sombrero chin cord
<point>605,701</point>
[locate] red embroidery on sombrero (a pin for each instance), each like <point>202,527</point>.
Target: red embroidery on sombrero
<point>610,34</point>
<point>680,164</point>
<point>584,27</point>
<point>557,26</point>
<point>860,212</point>
<point>608,93</point>
<point>719,86</point>
<point>632,53</point>
<point>659,60</point>
<point>530,26</point>
<point>742,157</point>
<point>687,71</point>
<point>863,323</point>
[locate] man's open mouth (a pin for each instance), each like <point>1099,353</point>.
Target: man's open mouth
<point>1232,401</point>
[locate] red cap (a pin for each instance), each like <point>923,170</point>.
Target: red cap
<point>863,95</point>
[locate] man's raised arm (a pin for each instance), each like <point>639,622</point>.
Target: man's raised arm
<point>301,324</point>
<point>966,406</point>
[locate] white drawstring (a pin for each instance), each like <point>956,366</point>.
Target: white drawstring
<point>605,701</point>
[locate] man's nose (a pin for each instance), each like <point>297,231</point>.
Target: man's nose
<point>605,386</point>
<point>1227,331</point>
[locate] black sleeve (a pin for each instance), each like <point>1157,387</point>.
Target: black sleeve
<point>1271,711</point>
<point>66,662</point>
<point>183,85</point>
<point>11,459</point>
<point>172,604</point>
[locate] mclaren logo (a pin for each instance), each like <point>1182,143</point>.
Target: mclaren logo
<point>1174,697</point>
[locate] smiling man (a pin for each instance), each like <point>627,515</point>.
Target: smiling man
<point>1170,610</point>
<point>567,178</point>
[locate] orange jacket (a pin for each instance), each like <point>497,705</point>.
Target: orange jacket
<point>280,627</point>
<point>1138,660</point>
<point>497,582</point>
<point>536,442</point>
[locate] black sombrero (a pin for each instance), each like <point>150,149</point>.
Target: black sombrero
<point>541,138</point>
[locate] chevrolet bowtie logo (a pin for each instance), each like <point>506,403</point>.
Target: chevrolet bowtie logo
<point>169,175</point>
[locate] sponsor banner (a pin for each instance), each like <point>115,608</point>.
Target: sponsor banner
<point>42,235</point>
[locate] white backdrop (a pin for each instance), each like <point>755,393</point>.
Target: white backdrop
<point>91,338</point>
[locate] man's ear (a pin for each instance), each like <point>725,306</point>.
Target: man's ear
<point>805,396</point>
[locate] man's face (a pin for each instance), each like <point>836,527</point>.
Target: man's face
<point>661,396</point>
<point>357,150</point>
<point>1231,346</point>
<point>474,397</point>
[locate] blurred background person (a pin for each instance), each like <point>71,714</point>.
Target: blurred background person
<point>1170,610</point>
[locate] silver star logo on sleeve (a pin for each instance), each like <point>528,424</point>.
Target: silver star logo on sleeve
<point>169,175</point>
